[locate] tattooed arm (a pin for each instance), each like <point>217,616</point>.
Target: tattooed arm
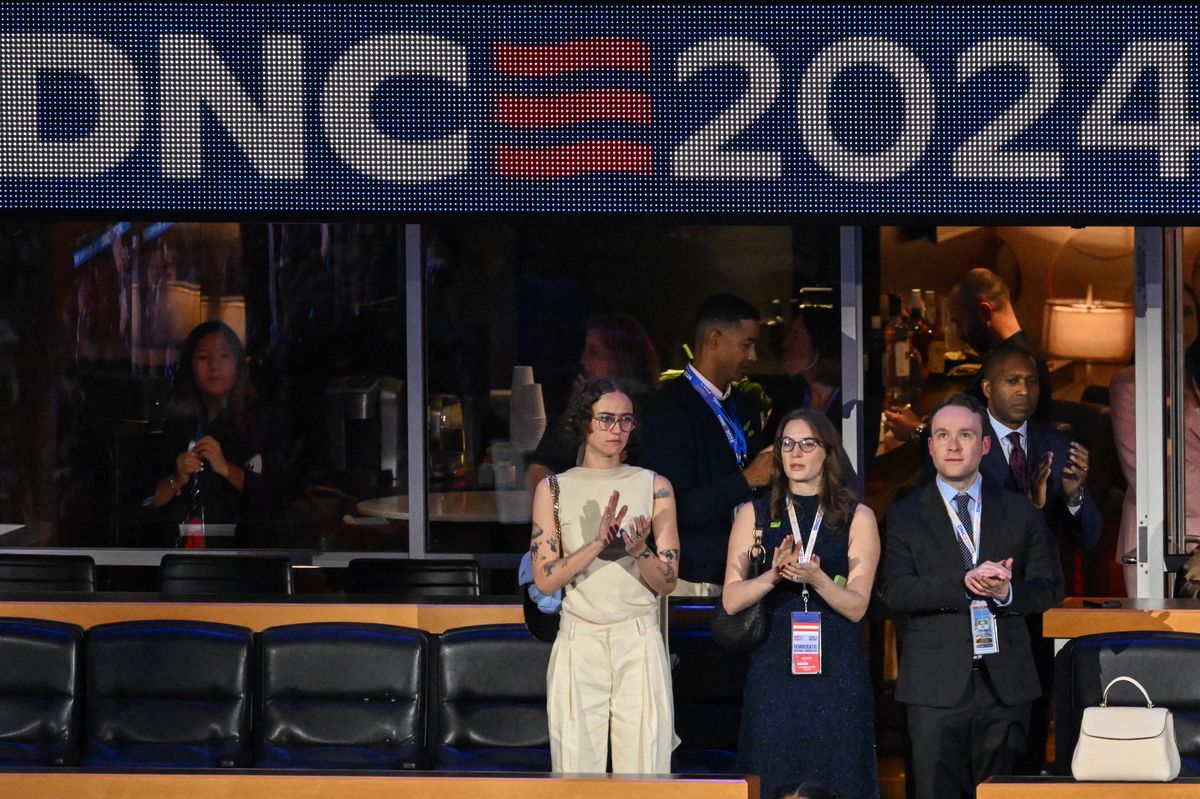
<point>552,569</point>
<point>660,570</point>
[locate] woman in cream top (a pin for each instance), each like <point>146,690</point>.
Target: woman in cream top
<point>609,680</point>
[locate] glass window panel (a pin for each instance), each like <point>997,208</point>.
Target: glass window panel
<point>97,413</point>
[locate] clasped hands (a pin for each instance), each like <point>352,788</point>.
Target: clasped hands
<point>192,461</point>
<point>990,579</point>
<point>634,535</point>
<point>785,565</point>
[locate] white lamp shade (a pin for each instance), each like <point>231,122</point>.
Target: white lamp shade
<point>1099,332</point>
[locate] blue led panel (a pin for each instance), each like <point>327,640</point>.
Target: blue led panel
<point>837,110</point>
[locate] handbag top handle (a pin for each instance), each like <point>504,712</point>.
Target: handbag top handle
<point>1104,701</point>
<point>553,480</point>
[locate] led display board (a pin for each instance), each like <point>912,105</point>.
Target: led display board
<point>822,109</point>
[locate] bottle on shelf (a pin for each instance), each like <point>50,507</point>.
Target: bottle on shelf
<point>935,317</point>
<point>921,333</point>
<point>897,345</point>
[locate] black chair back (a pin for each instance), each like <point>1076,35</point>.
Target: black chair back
<point>168,694</point>
<point>412,580</point>
<point>1161,661</point>
<point>225,574</point>
<point>41,693</point>
<point>707,682</point>
<point>34,573</point>
<point>342,695</point>
<point>489,700</point>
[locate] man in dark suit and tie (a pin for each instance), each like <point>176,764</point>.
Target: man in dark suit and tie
<point>965,562</point>
<point>1034,459</point>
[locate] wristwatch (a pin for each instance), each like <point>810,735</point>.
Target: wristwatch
<point>920,429</point>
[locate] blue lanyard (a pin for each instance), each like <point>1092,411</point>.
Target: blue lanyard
<point>730,424</point>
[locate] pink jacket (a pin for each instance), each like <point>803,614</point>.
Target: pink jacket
<point>1122,398</point>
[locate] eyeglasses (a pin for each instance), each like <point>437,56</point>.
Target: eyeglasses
<point>805,444</point>
<point>605,421</point>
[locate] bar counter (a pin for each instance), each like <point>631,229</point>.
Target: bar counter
<point>1073,619</point>
<point>259,613</point>
<point>223,784</point>
<point>1067,788</point>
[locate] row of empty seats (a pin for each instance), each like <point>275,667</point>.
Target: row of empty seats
<point>173,694</point>
<point>402,579</point>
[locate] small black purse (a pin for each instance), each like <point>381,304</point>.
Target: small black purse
<point>747,628</point>
<point>541,624</point>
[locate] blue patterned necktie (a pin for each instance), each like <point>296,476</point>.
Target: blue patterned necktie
<point>964,516</point>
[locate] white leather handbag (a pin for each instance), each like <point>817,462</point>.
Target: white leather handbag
<point>1126,744</point>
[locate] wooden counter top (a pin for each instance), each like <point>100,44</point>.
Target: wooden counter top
<point>221,784</point>
<point>1067,788</point>
<point>1073,618</point>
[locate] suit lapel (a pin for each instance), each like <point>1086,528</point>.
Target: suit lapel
<point>994,467</point>
<point>992,539</point>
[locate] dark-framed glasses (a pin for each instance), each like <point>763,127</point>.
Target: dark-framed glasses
<point>625,421</point>
<point>806,444</point>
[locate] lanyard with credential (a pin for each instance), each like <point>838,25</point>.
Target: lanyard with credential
<point>960,531</point>
<point>733,431</point>
<point>805,551</point>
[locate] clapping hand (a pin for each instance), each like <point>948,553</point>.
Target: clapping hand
<point>1041,479</point>
<point>990,579</point>
<point>784,553</point>
<point>1075,472</point>
<point>803,571</point>
<point>610,520</point>
<point>636,534</point>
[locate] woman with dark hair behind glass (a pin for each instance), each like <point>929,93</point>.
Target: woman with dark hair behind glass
<point>212,446</point>
<point>812,359</point>
<point>1122,396</point>
<point>616,346</point>
<point>609,680</point>
<point>825,549</point>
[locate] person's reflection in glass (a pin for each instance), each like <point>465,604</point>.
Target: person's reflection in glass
<point>1122,396</point>
<point>615,346</point>
<point>212,447</point>
<point>812,359</point>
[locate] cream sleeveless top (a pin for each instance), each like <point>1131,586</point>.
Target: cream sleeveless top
<point>610,589</point>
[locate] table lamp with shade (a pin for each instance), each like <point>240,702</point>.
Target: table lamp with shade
<point>1088,330</point>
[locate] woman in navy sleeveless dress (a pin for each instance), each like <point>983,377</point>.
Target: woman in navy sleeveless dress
<point>817,728</point>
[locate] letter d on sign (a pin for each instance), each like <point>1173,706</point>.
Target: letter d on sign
<point>118,123</point>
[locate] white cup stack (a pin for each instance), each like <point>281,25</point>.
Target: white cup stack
<point>526,410</point>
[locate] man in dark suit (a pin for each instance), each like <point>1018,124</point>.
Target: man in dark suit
<point>705,436</point>
<point>1034,459</point>
<point>964,562</point>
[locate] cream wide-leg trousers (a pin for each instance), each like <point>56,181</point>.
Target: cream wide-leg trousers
<point>610,682</point>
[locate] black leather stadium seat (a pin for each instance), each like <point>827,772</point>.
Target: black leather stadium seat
<point>171,694</point>
<point>225,574</point>
<point>32,573</point>
<point>412,580</point>
<point>1163,662</point>
<point>341,695</point>
<point>707,683</point>
<point>489,700</point>
<point>41,687</point>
